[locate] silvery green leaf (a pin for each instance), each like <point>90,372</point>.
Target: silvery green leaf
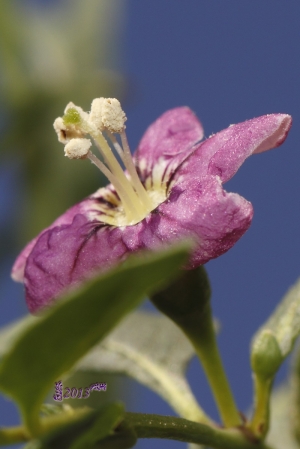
<point>281,432</point>
<point>284,323</point>
<point>152,350</point>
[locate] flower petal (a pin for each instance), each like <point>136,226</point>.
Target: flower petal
<point>66,255</point>
<point>17,272</point>
<point>223,153</point>
<point>169,140</point>
<point>215,218</point>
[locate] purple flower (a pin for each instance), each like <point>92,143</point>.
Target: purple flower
<point>182,178</point>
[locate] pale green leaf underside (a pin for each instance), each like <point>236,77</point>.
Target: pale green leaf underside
<point>53,343</point>
<point>280,435</point>
<point>152,350</point>
<point>285,320</point>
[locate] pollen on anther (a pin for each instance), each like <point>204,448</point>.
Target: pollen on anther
<point>107,114</point>
<point>60,130</point>
<point>77,148</point>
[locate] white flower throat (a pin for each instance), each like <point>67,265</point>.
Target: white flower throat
<point>107,115</point>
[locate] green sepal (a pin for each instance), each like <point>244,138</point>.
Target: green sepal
<point>186,299</point>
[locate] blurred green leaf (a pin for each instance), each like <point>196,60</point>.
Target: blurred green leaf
<point>10,333</point>
<point>284,323</point>
<point>280,435</point>
<point>84,431</point>
<point>102,427</point>
<point>152,350</point>
<point>270,346</point>
<point>52,409</point>
<point>295,396</point>
<point>52,345</point>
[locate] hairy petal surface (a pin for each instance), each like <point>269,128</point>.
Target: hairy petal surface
<point>214,218</point>
<point>167,142</point>
<point>18,268</point>
<point>223,153</point>
<point>65,255</point>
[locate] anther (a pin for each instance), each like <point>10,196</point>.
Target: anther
<point>78,148</point>
<point>107,114</point>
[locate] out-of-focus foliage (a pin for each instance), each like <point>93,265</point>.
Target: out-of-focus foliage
<point>50,55</point>
<point>152,350</point>
<point>48,348</point>
<point>281,430</point>
<point>284,323</point>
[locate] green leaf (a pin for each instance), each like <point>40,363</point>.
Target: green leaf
<point>10,333</point>
<point>152,350</point>
<point>52,409</point>
<point>84,431</point>
<point>281,433</point>
<point>284,323</point>
<point>54,343</point>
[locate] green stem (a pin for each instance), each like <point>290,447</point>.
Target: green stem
<point>167,427</point>
<point>18,434</point>
<point>187,302</point>
<point>203,337</point>
<point>11,435</point>
<point>157,426</point>
<point>260,421</point>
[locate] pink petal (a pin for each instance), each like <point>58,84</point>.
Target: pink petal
<point>223,153</point>
<point>18,268</point>
<point>214,218</point>
<point>65,255</point>
<point>169,139</point>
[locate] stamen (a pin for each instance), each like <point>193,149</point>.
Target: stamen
<point>116,145</point>
<point>106,115</point>
<point>132,171</point>
<point>127,204</point>
<point>127,160</point>
<point>117,170</point>
<point>75,115</point>
<point>78,148</point>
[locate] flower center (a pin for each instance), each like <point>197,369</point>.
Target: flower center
<point>106,115</point>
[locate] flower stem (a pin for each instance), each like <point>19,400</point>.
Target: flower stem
<point>260,421</point>
<point>204,340</point>
<point>187,302</point>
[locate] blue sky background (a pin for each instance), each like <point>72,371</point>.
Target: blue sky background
<point>229,61</point>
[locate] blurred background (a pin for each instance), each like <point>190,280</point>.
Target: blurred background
<point>228,61</point>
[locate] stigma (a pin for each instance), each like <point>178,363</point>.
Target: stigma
<point>105,124</point>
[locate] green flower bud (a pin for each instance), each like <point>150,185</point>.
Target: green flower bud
<point>266,356</point>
